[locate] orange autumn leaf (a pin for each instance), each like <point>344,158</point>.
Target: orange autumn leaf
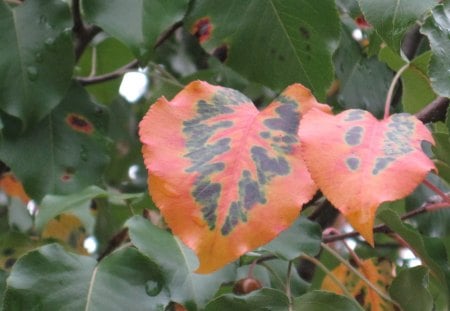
<point>226,177</point>
<point>12,187</point>
<point>67,228</point>
<point>360,162</point>
<point>378,273</point>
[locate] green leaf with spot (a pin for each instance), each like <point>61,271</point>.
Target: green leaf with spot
<point>137,23</point>
<point>65,152</point>
<point>273,42</point>
<point>50,278</point>
<point>392,18</point>
<point>37,58</point>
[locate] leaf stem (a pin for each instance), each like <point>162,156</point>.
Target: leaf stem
<point>288,284</point>
<point>445,197</point>
<point>359,274</point>
<point>108,76</point>
<point>328,272</point>
<point>390,92</point>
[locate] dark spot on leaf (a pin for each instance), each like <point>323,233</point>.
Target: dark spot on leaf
<point>272,51</point>
<point>304,32</point>
<point>93,206</point>
<point>268,167</point>
<point>79,123</point>
<point>8,251</point>
<point>202,29</point>
<point>308,47</point>
<point>281,58</point>
<point>67,175</point>
<point>381,164</point>
<point>221,53</point>
<point>9,262</point>
<point>353,136</point>
<point>288,120</point>
<point>355,115</point>
<point>352,163</point>
<point>265,135</point>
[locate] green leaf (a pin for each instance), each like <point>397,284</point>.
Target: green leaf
<point>65,152</point>
<point>324,301</point>
<point>392,18</point>
<point>437,29</point>
<point>52,279</point>
<point>303,237</point>
<point>37,58</point>
<point>53,205</point>
<point>363,81</point>
<point>273,42</point>
<point>102,58</point>
<point>177,263</point>
<point>431,255</point>
<point>417,91</point>
<point>410,289</point>
<point>136,23</point>
<point>259,300</point>
<point>3,277</point>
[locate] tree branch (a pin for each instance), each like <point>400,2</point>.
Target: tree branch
<point>83,34</point>
<point>383,228</point>
<point>108,76</point>
<point>434,111</point>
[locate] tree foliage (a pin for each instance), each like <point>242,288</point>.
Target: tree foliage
<point>201,194</point>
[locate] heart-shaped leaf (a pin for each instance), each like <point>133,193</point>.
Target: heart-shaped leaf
<point>226,177</point>
<point>360,162</point>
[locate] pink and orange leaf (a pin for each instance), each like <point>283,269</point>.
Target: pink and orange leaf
<point>360,162</point>
<point>226,177</point>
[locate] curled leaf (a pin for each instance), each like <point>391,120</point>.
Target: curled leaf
<point>226,177</point>
<point>360,162</point>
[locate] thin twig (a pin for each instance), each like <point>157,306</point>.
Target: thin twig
<point>82,33</point>
<point>385,229</point>
<point>288,284</point>
<point>434,111</point>
<point>444,197</point>
<point>359,274</point>
<point>108,76</point>
<point>328,272</point>
<point>166,35</point>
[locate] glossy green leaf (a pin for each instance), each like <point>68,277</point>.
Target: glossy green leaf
<point>437,29</point>
<point>417,91</point>
<point>392,18</point>
<point>177,263</point>
<point>137,23</point>
<point>437,223</point>
<point>259,300</point>
<point>363,82</point>
<point>53,205</point>
<point>303,237</point>
<point>50,278</point>
<point>102,58</point>
<point>65,152</point>
<point>272,42</point>
<point>37,59</point>
<point>417,243</point>
<point>410,289</point>
<point>324,301</point>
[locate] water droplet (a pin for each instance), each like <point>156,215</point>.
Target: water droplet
<point>153,288</point>
<point>49,42</point>
<point>39,57</point>
<point>32,73</point>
